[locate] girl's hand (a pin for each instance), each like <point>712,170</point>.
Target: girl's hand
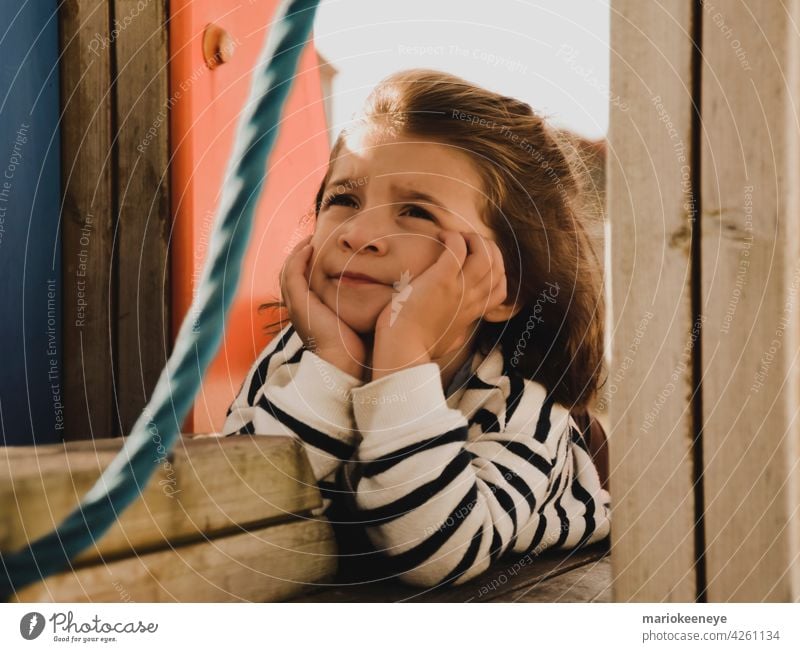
<point>319,327</point>
<point>435,313</point>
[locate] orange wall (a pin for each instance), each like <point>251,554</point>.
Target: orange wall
<point>205,106</point>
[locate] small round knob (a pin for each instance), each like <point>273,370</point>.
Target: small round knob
<point>218,46</point>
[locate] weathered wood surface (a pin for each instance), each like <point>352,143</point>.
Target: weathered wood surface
<point>519,578</point>
<point>650,209</point>
<point>588,583</point>
<point>116,213</point>
<point>87,222</point>
<point>263,565</point>
<point>141,122</point>
<point>750,278</point>
<point>208,485</point>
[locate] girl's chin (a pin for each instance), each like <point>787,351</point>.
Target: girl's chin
<point>358,316</point>
<point>359,323</point>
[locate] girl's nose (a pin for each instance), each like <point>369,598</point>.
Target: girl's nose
<point>367,231</point>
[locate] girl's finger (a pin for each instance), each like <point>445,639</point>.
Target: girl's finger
<point>496,267</point>
<point>486,298</point>
<point>302,243</point>
<point>305,254</point>
<point>294,284</point>
<point>490,291</point>
<point>452,258</point>
<point>298,249</point>
<point>499,292</point>
<point>479,259</point>
<point>298,259</point>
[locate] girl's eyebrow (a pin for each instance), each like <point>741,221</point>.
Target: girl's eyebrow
<point>344,182</point>
<point>408,193</point>
<point>411,193</point>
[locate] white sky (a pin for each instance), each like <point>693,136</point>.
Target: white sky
<point>552,54</point>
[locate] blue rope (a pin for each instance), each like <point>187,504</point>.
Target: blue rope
<point>196,345</point>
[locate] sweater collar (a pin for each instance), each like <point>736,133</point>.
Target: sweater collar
<point>479,372</point>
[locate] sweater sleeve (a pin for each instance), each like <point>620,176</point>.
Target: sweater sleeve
<point>443,505</point>
<point>290,390</point>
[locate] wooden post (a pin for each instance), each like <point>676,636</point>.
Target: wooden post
<point>750,278</point>
<point>116,212</point>
<point>723,442</point>
<point>142,256</point>
<point>650,377</point>
<point>87,218</point>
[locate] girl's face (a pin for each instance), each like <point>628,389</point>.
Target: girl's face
<point>386,201</point>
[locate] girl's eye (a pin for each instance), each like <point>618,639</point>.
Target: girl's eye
<point>340,200</point>
<point>421,212</point>
<point>349,200</point>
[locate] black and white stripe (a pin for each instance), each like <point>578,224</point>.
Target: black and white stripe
<point>442,498</point>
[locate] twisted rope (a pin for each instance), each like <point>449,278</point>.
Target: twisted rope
<point>197,343</point>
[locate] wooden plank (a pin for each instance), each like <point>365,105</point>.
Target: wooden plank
<point>87,218</point>
<point>31,401</point>
<point>750,278</point>
<point>649,206</point>
<point>142,257</point>
<point>208,485</point>
<point>589,583</point>
<point>268,564</point>
<point>512,575</point>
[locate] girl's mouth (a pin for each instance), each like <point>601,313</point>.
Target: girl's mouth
<point>355,281</point>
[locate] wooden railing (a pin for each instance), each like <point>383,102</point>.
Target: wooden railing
<point>222,519</point>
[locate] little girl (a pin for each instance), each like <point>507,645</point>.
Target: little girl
<point>444,319</point>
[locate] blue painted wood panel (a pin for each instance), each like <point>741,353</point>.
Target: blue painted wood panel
<point>31,409</point>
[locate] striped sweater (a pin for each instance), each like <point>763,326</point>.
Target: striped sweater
<point>442,485</point>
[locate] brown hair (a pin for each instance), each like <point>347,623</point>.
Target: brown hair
<point>534,205</point>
